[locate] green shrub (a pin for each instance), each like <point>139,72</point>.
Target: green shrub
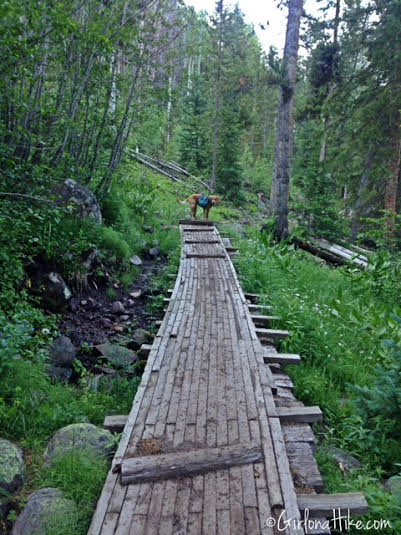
<point>80,476</point>
<point>113,242</point>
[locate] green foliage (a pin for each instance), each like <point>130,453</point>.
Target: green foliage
<point>337,321</point>
<point>113,243</point>
<point>193,136</point>
<point>379,405</point>
<point>80,476</point>
<point>32,408</point>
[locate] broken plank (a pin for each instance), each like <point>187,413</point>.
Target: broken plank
<point>328,505</point>
<point>300,414</point>
<point>184,463</point>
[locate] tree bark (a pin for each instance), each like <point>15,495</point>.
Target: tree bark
<point>390,199</point>
<point>284,129</point>
<point>362,188</point>
<point>216,125</point>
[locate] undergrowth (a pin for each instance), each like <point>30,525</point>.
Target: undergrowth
<point>339,321</point>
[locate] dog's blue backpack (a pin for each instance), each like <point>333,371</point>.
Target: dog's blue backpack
<point>203,201</point>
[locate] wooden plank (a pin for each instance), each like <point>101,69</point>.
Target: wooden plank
<point>181,464</point>
<point>252,297</point>
<point>300,414</point>
<point>290,501</point>
<point>282,358</point>
<point>196,222</point>
<point>325,505</point>
<point>261,320</point>
<point>205,255</point>
<point>271,334</point>
<point>144,350</point>
<point>303,466</point>
<point>299,433</point>
<point>258,308</point>
<point>115,423</point>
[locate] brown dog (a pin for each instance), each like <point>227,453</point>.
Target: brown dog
<point>193,204</point>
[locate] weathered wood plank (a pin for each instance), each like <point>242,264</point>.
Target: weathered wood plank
<point>180,464</point>
<point>325,505</point>
<point>300,414</point>
<point>282,358</point>
<point>271,334</point>
<point>115,422</point>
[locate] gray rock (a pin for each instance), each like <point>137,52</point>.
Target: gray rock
<point>12,468</point>
<point>136,294</point>
<point>74,304</point>
<point>55,292</point>
<point>117,307</point>
<point>154,251</point>
<point>348,462</point>
<point>59,374</point>
<point>46,511</point>
<point>393,485</point>
<point>81,197</point>
<point>135,260</point>
<point>62,352</point>
<point>79,437</point>
<point>139,337</point>
<point>117,355</point>
<point>107,323</point>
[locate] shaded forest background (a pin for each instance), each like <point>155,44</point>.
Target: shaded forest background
<point>90,87</point>
<point>82,82</point>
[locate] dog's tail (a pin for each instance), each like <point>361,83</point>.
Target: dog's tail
<point>182,202</point>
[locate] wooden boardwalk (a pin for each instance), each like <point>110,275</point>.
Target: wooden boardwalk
<point>205,393</point>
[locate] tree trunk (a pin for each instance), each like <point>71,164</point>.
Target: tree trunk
<point>284,129</point>
<point>362,188</point>
<point>216,125</point>
<point>390,199</point>
<point>326,121</point>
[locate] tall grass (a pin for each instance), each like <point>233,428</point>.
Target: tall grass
<point>338,320</point>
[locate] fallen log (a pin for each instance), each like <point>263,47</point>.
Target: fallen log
<point>321,253</point>
<point>184,463</point>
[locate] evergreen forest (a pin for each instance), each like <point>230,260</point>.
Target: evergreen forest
<point>110,111</point>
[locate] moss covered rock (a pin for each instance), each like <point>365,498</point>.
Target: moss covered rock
<point>47,512</point>
<point>12,469</point>
<point>80,437</point>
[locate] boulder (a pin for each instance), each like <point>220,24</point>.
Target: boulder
<point>135,260</point>
<point>12,468</point>
<point>62,352</point>
<point>393,485</point>
<point>45,512</point>
<point>81,197</point>
<point>348,462</point>
<point>55,292</point>
<point>59,374</point>
<point>117,355</point>
<point>77,437</point>
<point>139,337</point>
